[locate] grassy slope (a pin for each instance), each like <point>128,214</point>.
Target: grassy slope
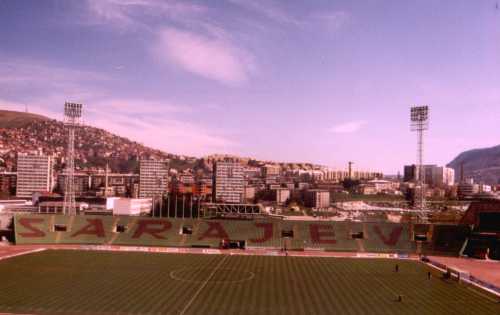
<point>11,119</point>
<point>60,282</point>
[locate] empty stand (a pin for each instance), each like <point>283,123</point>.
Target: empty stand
<point>260,233</point>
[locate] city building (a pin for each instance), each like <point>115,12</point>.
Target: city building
<point>253,172</point>
<point>228,182</point>
<point>34,174</point>
<point>8,206</point>
<point>153,178</point>
<point>81,183</point>
<point>282,195</point>
<point>410,173</point>
<point>250,193</point>
<point>128,206</point>
<point>8,181</point>
<point>467,189</point>
<point>366,189</point>
<point>335,176</point>
<point>101,184</point>
<point>203,189</point>
<point>485,188</point>
<point>271,174</point>
<point>316,198</point>
<point>186,179</point>
<point>435,176</point>
<point>302,186</point>
<point>339,175</point>
<point>118,184</point>
<point>331,186</point>
<point>448,176</point>
<point>439,176</point>
<point>57,207</point>
<point>381,185</point>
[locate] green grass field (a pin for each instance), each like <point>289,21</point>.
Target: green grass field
<point>84,282</point>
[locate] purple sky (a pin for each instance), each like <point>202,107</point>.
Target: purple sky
<point>316,81</point>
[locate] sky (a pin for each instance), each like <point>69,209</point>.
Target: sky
<point>317,81</point>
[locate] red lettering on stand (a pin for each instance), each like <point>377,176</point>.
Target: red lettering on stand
<point>268,232</point>
<point>94,227</point>
<point>215,230</point>
<point>152,227</point>
<point>28,224</point>
<point>393,237</point>
<point>322,234</point>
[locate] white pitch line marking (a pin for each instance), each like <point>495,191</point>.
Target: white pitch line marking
<point>195,295</point>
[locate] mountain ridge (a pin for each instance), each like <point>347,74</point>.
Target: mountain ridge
<point>481,164</point>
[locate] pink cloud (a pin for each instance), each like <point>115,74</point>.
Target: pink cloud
<point>215,58</point>
<point>123,13</point>
<point>348,127</point>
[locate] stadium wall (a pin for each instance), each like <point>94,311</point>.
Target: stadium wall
<point>260,233</point>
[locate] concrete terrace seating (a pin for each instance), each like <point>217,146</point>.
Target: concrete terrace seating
<point>38,231</point>
<point>259,238</point>
<point>342,238</point>
<point>387,237</point>
<point>87,231</point>
<point>323,235</point>
<point>262,233</point>
<point>446,239</point>
<point>168,232</point>
<point>356,227</point>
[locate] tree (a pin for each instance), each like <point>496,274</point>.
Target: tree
<point>264,195</point>
<point>350,185</point>
<point>294,199</point>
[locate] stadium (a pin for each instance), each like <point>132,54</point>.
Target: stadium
<point>245,157</point>
<point>90,264</point>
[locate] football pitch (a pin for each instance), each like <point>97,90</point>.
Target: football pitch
<point>88,282</point>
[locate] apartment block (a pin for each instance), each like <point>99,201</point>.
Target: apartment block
<point>228,182</point>
<point>153,178</point>
<point>316,198</point>
<point>34,174</point>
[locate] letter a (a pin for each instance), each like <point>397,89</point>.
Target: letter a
<point>215,230</point>
<point>94,227</point>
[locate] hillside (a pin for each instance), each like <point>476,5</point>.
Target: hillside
<point>11,119</point>
<point>26,133</point>
<point>29,133</point>
<point>481,164</point>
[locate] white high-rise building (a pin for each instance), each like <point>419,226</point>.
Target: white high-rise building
<point>228,182</point>
<point>449,176</point>
<point>34,174</point>
<point>153,178</point>
<point>437,176</point>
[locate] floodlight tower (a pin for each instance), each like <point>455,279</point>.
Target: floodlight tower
<point>420,122</point>
<point>72,119</point>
